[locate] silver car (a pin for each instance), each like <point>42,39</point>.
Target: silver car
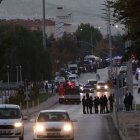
<point>11,124</point>
<point>53,124</point>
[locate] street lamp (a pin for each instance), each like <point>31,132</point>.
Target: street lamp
<point>43,28</point>
<point>20,74</point>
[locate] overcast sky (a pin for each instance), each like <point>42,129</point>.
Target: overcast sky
<point>83,11</point>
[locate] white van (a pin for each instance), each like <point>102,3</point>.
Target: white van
<point>11,121</point>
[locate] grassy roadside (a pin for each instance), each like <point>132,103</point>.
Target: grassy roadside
<point>39,100</point>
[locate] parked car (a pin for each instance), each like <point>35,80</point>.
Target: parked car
<point>53,124</point>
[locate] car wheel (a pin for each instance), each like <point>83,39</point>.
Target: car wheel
<point>21,138</point>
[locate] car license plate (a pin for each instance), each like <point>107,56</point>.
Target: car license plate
<point>5,131</point>
<point>54,134</point>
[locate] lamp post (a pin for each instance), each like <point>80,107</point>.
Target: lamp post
<point>20,74</point>
<point>17,73</point>
<point>91,40</point>
<point>8,81</point>
<point>44,28</point>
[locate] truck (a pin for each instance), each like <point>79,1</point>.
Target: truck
<point>69,93</point>
<point>73,68</point>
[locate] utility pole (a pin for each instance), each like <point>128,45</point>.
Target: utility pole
<point>44,27</point>
<point>91,36</point>
<point>109,38</point>
<point>108,19</point>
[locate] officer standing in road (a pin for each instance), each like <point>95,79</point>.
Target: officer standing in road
<point>96,104</point>
<point>84,104</point>
<point>87,102</point>
<point>111,101</point>
<point>90,104</point>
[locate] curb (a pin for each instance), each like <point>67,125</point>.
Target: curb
<point>44,105</point>
<point>117,127</point>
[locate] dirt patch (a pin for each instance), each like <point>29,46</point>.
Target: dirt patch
<point>129,123</point>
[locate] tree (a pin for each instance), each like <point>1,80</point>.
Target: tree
<point>127,13</point>
<point>88,36</point>
<point>19,46</point>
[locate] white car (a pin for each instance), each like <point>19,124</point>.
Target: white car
<point>73,77</point>
<point>11,124</point>
<point>59,79</point>
<point>101,85</point>
<point>53,125</point>
<point>123,69</point>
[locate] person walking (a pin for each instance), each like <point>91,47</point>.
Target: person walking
<point>90,104</point>
<point>111,101</point>
<point>84,104</point>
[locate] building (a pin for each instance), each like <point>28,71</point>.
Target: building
<point>36,24</point>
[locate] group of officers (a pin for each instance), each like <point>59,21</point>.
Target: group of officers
<point>100,104</point>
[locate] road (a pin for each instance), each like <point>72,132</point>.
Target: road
<point>88,126</point>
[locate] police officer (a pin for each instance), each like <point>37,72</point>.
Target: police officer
<point>84,104</point>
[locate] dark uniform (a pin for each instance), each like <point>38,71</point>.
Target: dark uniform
<point>84,104</point>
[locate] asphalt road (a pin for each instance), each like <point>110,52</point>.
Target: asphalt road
<point>87,127</point>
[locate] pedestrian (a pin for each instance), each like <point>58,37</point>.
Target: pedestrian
<point>97,77</point>
<point>126,102</point>
<point>138,90</point>
<point>52,87</point>
<point>84,104</point>
<point>96,104</point>
<point>111,101</point>
<point>90,104</point>
<point>130,101</point>
<point>101,101</point>
<point>87,103</point>
<point>105,104</point>
<point>46,87</point>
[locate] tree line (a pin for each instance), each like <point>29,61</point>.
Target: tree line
<point>127,13</point>
<point>22,47</point>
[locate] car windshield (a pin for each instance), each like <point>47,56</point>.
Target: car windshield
<point>87,86</point>
<point>101,84</point>
<point>53,116</point>
<point>10,113</point>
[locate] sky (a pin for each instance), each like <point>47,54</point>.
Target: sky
<point>83,11</point>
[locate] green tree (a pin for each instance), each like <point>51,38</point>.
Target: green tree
<point>127,13</point>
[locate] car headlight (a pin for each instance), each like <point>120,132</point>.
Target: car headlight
<point>39,128</point>
<point>81,88</point>
<point>106,87</point>
<point>18,124</point>
<point>67,127</point>
<point>98,87</point>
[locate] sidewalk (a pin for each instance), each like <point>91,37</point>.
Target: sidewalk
<point>128,122</point>
<point>45,105</point>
